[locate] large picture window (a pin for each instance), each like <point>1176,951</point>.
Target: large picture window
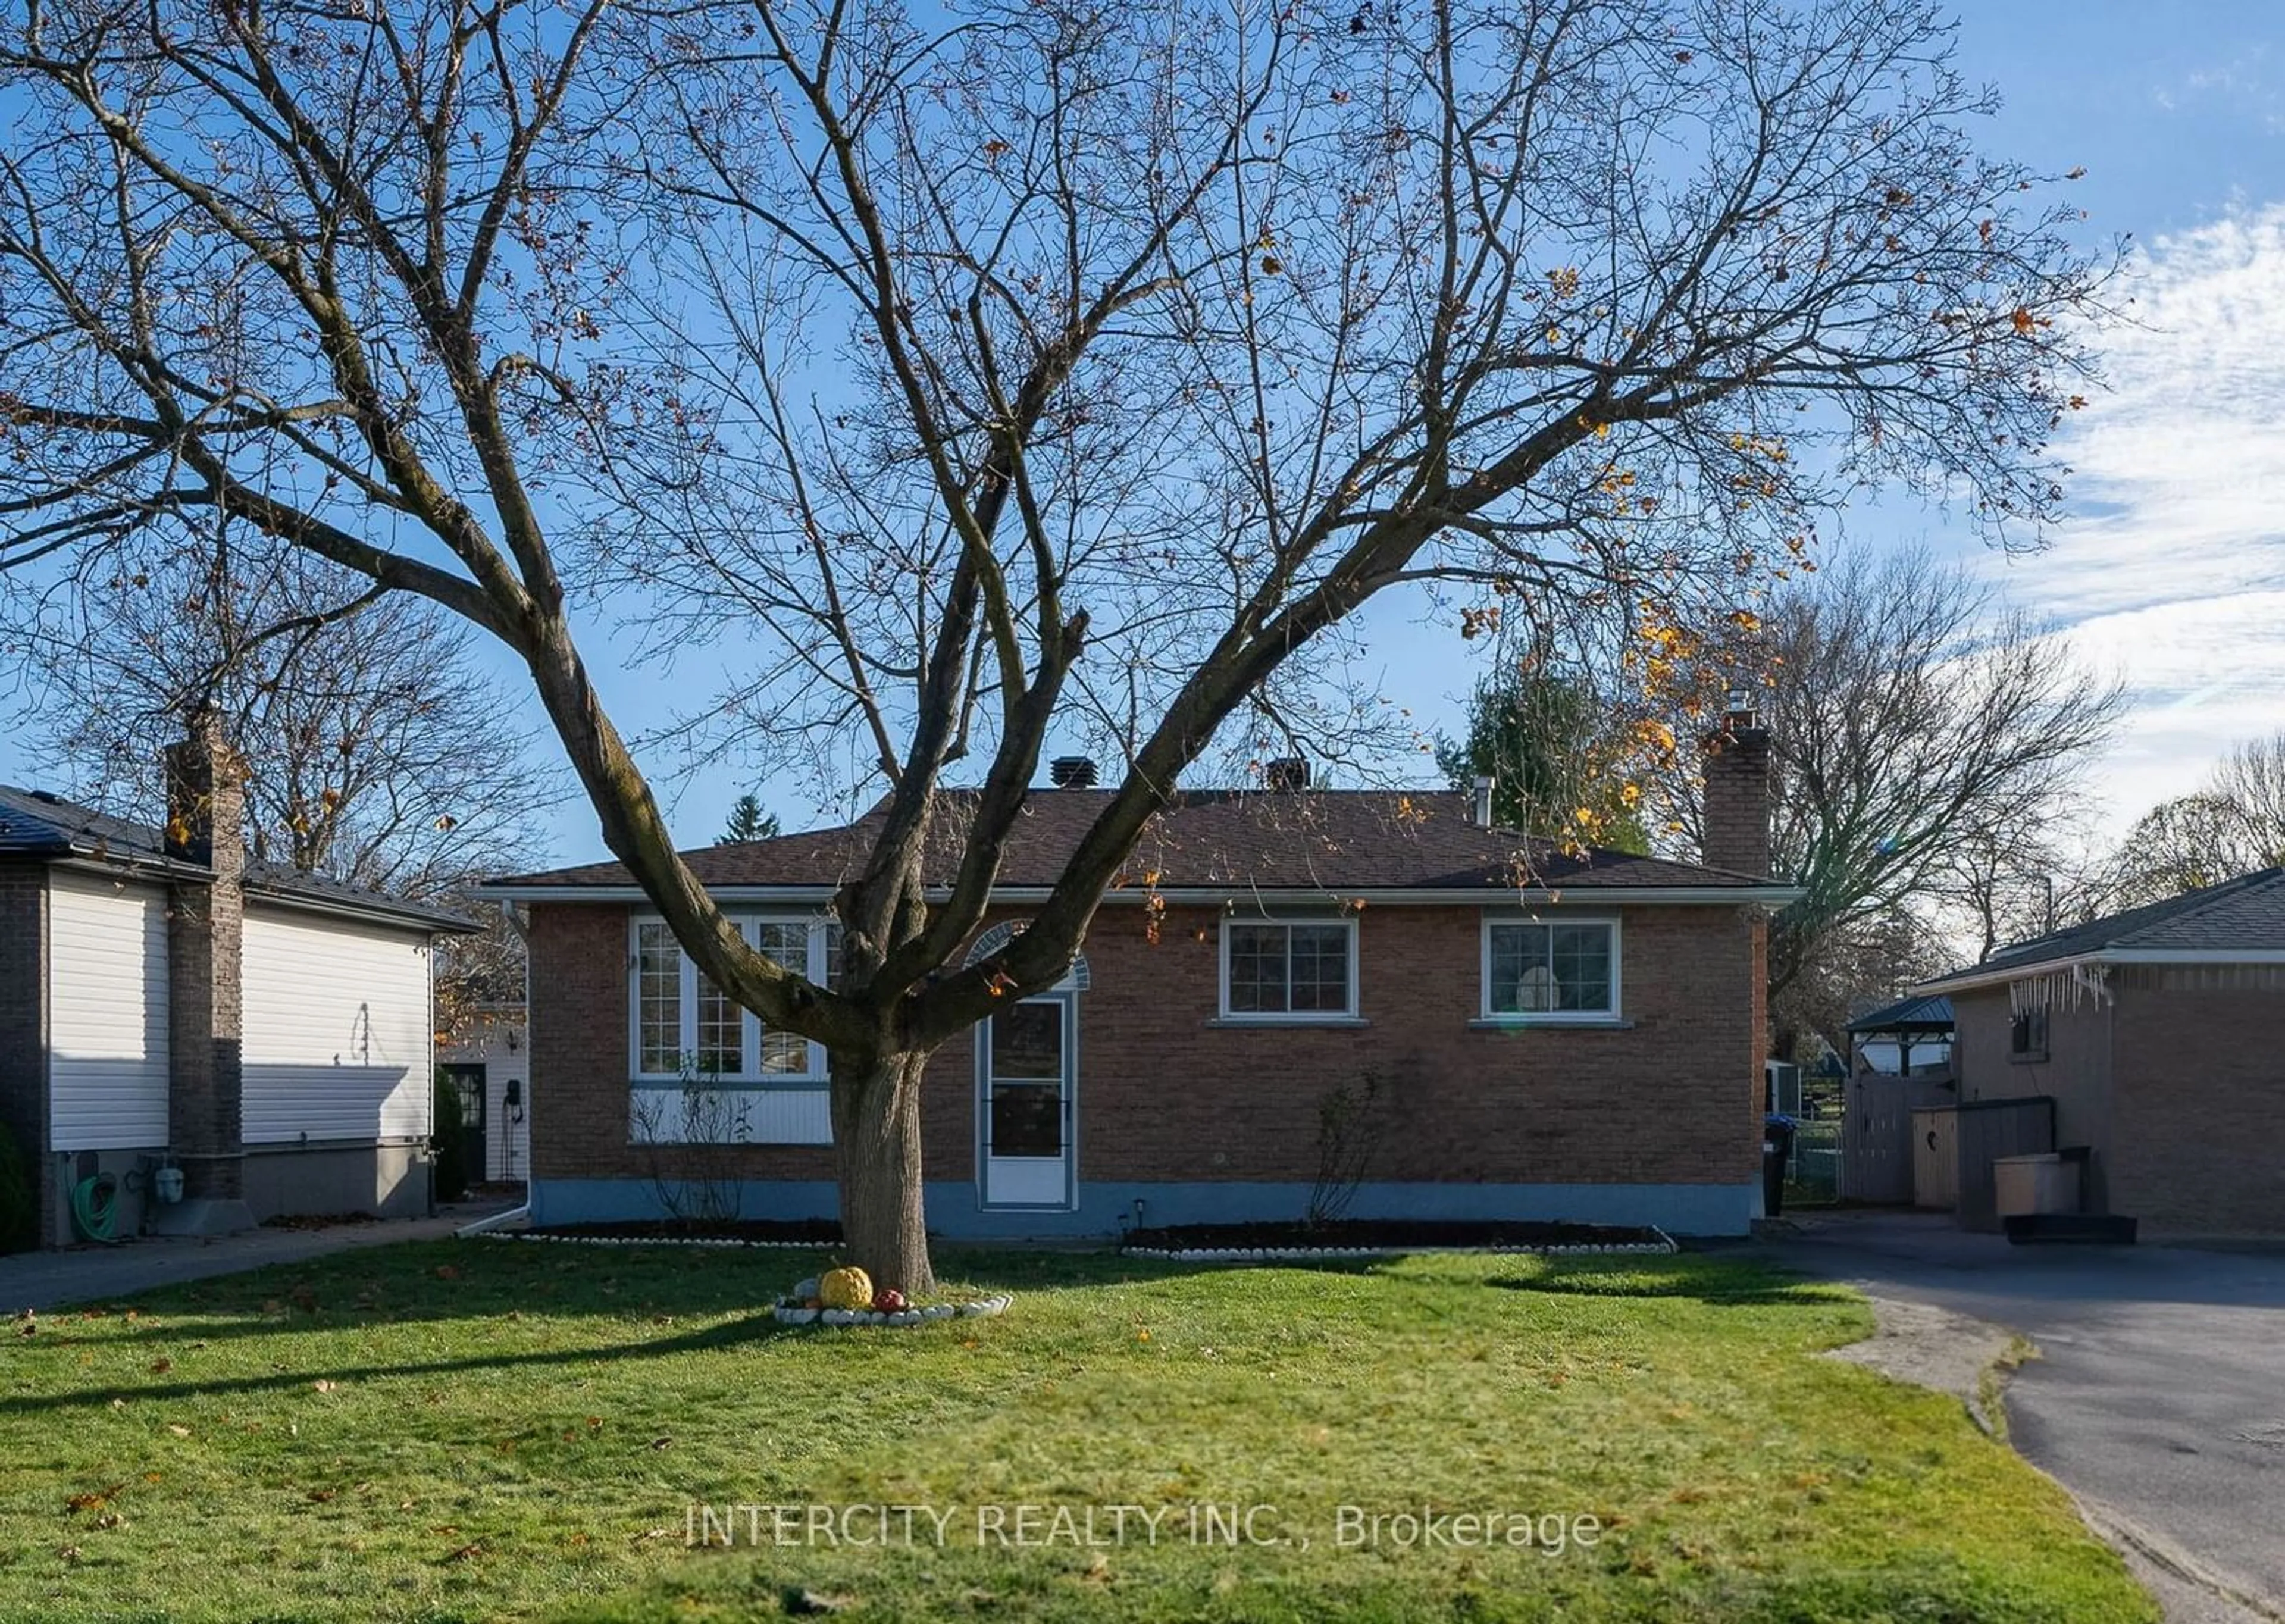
<point>1550,969</point>
<point>1288,969</point>
<point>680,1015</point>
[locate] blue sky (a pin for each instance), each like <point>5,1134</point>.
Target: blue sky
<point>2170,573</point>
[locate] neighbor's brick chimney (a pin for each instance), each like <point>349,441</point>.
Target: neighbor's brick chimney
<point>206,818</point>
<point>1738,791</point>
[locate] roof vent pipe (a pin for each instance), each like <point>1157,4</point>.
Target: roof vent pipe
<point>1073,772</point>
<point>1483,807</point>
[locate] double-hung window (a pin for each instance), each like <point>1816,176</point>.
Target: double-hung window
<point>1298,969</point>
<point>686,1027</point>
<point>1550,969</point>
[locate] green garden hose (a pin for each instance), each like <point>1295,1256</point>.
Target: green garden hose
<point>95,1205</point>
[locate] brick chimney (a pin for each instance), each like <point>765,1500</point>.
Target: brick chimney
<point>1737,760</point>
<point>206,918</point>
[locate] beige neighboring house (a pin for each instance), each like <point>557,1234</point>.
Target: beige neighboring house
<point>2159,1036</point>
<point>488,1060</point>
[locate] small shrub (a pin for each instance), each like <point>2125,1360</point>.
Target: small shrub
<point>19,1197</point>
<point>1348,1132</point>
<point>690,1136</point>
<point>451,1146</point>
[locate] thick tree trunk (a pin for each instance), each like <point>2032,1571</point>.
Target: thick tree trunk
<point>876,1136</point>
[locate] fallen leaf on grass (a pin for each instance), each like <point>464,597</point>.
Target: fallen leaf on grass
<point>160,1367</point>
<point>660,1443</point>
<point>177,1428</point>
<point>325,1386</point>
<point>474,1547</point>
<point>448,1271</point>
<point>94,1500</point>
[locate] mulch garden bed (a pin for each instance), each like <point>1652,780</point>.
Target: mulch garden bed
<point>754,1231</point>
<point>1379,1235</point>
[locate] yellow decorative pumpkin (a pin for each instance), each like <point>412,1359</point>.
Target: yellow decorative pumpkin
<point>846,1288</point>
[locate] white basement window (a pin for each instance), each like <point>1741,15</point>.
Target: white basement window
<point>1551,970</point>
<point>1294,971</point>
<point>684,1026</point>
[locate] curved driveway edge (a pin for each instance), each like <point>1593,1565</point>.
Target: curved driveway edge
<point>2157,1397</point>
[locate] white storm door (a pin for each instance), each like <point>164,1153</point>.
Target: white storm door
<point>1027,1053</point>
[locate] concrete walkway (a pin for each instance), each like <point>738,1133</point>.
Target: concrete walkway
<point>88,1274</point>
<point>2158,1396</point>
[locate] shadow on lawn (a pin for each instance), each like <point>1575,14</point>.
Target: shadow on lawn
<point>628,1293</point>
<point>1723,1285</point>
<point>754,1330</point>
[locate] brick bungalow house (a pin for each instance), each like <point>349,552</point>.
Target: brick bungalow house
<point>164,1002</point>
<point>1549,1037</point>
<point>2159,1034</point>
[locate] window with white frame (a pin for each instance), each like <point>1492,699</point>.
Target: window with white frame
<point>1550,969</point>
<point>679,1013</point>
<point>1288,969</point>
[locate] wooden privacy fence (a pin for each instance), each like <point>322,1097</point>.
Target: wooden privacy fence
<point>1876,1133</point>
<point>1954,1145</point>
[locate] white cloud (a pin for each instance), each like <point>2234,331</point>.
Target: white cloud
<point>2171,569</point>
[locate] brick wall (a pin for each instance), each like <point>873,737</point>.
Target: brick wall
<point>2199,1145</point>
<point>1165,1094</point>
<point>1737,804</point>
<point>23,1033</point>
<point>206,943</point>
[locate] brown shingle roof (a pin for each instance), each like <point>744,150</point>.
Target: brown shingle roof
<point>2245,914</point>
<point>1331,840</point>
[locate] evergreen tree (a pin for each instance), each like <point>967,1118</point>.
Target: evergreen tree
<point>1547,744</point>
<point>748,821</point>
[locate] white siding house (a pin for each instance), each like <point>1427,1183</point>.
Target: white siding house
<point>336,1030</point>
<point>106,1012</point>
<point>260,1038</point>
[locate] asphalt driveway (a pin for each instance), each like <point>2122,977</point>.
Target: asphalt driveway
<point>2158,1397</point>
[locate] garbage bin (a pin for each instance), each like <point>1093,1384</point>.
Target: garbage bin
<point>1776,1150</point>
<point>2022,1184</point>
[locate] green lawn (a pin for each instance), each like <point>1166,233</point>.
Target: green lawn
<point>483,1431</point>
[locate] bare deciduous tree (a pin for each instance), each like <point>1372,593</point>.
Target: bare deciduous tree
<point>2233,824</point>
<point>377,753</point>
<point>974,373</point>
<point>1927,746</point>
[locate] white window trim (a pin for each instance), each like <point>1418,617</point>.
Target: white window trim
<point>752,1075</point>
<point>1290,1017</point>
<point>1614,1015</point>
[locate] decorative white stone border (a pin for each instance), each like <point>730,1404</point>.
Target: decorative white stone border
<point>983,1308</point>
<point>649,1240</point>
<point>1303,1255</point>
